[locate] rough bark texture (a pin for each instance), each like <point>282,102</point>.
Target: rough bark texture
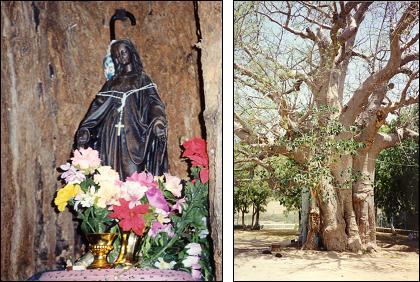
<point>210,18</point>
<point>51,69</point>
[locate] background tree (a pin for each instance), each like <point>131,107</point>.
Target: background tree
<point>315,81</point>
<point>397,180</point>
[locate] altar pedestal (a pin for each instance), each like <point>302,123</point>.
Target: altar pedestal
<point>133,274</point>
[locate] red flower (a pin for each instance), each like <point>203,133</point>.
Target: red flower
<point>195,149</point>
<point>204,175</point>
<point>130,218</point>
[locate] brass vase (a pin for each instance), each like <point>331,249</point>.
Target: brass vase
<point>128,255</point>
<point>100,244</point>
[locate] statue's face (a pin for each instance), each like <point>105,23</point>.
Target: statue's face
<point>121,53</point>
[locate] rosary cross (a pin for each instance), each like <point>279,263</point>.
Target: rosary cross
<point>119,126</point>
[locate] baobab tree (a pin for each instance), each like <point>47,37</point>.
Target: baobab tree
<point>317,82</point>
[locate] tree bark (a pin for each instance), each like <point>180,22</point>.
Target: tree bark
<point>210,21</point>
<point>51,57</point>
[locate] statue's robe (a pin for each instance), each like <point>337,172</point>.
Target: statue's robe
<point>137,148</point>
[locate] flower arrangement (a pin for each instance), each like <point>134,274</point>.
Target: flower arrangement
<point>170,214</point>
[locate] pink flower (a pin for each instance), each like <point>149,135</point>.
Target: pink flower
<point>130,218</point>
<point>86,160</point>
<point>154,229</point>
<point>71,174</point>
<point>143,178</point>
<point>158,227</point>
<point>156,199</point>
<point>173,184</point>
<point>196,273</point>
<point>179,204</point>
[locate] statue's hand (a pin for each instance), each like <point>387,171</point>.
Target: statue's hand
<point>159,130</point>
<point>83,136</point>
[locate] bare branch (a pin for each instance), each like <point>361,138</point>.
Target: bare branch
<point>386,140</point>
<point>286,27</point>
<point>361,95</point>
<point>244,132</point>
<point>409,58</point>
<point>410,43</point>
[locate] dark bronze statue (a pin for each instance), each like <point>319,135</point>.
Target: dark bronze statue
<point>126,121</point>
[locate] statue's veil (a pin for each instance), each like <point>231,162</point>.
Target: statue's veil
<point>137,64</point>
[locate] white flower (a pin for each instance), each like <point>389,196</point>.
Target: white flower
<point>106,174</point>
<point>162,216</point>
<point>85,199</point>
<point>190,261</point>
<point>133,191</point>
<point>173,184</point>
<point>161,264</point>
<point>194,249</point>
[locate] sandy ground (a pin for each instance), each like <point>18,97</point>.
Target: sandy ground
<point>397,259</point>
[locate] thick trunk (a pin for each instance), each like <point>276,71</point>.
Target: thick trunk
<point>243,220</point>
<point>333,225</point>
<point>347,216</point>
<point>363,196</point>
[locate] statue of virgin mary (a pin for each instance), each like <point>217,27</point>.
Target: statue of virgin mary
<point>126,121</point>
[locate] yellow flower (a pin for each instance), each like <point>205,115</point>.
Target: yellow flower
<point>66,193</point>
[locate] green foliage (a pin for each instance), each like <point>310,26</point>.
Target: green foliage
<point>397,176</point>
<point>190,227</point>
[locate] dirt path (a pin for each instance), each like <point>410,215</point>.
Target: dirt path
<point>397,259</point>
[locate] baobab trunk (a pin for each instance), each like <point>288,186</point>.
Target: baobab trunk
<point>363,196</point>
<point>347,215</point>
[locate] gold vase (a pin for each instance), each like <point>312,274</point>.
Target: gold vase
<point>100,244</point>
<point>130,243</point>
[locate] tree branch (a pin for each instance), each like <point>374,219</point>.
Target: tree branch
<point>360,96</point>
<point>286,27</point>
<point>386,140</point>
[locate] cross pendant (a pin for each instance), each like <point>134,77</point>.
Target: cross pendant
<point>119,125</point>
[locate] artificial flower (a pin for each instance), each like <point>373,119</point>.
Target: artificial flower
<point>193,249</point>
<point>195,150</point>
<point>156,199</point>
<point>107,194</point>
<point>154,229</point>
<point>86,160</point>
<point>162,216</point>
<point>196,273</point>
<point>85,199</point>
<point>133,192</point>
<point>158,227</point>
<point>179,205</point>
<point>106,174</point>
<point>190,261</point>
<point>162,264</point>
<point>143,178</point>
<point>130,219</point>
<point>173,184</point>
<point>64,194</point>
<point>204,175</point>
<point>71,174</point>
